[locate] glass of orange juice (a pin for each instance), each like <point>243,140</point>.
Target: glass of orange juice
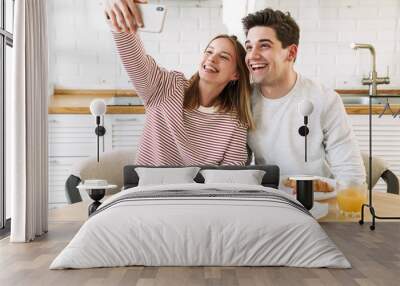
<point>351,195</point>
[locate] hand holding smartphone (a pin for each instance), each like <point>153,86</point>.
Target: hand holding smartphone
<point>153,16</point>
<point>131,15</point>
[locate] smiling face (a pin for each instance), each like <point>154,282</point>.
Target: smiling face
<point>218,64</point>
<point>268,62</point>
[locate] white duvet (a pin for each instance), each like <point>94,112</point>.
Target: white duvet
<point>200,231</point>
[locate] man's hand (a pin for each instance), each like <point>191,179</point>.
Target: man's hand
<point>124,15</point>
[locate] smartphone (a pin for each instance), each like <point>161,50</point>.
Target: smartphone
<point>153,16</point>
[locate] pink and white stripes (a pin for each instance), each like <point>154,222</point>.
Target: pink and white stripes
<point>172,135</point>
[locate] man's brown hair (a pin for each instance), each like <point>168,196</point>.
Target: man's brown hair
<point>286,29</point>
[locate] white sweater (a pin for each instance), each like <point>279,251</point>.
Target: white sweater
<point>332,148</point>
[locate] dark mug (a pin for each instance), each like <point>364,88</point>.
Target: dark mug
<point>304,191</point>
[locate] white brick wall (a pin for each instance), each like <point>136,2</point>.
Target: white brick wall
<point>327,28</point>
<point>82,54</point>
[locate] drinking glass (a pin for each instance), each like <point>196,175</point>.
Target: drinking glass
<point>351,195</point>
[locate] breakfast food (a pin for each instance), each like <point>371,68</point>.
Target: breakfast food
<point>318,185</point>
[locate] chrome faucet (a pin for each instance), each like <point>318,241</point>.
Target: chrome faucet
<point>373,80</point>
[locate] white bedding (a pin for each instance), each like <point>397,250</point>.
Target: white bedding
<point>183,231</point>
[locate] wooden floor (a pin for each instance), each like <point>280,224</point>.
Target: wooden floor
<point>375,256</point>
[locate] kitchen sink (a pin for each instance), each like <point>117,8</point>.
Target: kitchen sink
<point>364,100</point>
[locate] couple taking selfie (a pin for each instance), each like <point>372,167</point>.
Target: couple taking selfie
<point>239,97</point>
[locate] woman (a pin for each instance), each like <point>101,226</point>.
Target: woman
<point>201,121</point>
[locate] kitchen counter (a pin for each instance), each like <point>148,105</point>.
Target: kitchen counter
<point>78,101</point>
<point>362,109</point>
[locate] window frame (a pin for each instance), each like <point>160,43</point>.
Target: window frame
<point>6,39</point>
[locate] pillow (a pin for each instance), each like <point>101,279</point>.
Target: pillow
<point>248,177</point>
<point>165,176</point>
<point>270,179</point>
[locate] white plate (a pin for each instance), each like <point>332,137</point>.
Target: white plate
<point>318,196</point>
<point>321,196</point>
<point>91,187</point>
<point>319,210</point>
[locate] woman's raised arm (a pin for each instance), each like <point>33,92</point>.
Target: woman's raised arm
<point>152,83</point>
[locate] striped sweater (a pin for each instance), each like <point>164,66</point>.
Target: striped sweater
<point>173,135</point>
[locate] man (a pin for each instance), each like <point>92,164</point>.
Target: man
<point>272,43</point>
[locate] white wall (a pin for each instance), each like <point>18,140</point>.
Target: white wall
<point>327,27</point>
<point>82,54</point>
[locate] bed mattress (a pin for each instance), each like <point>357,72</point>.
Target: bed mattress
<point>201,225</point>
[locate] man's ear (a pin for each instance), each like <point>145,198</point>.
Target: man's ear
<point>235,76</point>
<point>292,55</point>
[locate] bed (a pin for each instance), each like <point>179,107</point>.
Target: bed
<point>197,224</point>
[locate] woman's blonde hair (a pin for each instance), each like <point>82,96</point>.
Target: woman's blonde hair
<point>235,97</point>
